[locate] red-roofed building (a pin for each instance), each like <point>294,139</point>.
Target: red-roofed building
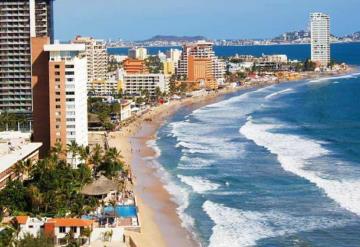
<point>58,229</point>
<point>29,225</point>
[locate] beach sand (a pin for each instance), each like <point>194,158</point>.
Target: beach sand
<point>160,223</point>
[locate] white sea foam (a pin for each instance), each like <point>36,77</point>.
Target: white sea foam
<point>188,163</point>
<point>350,76</point>
<point>198,184</point>
<point>238,228</point>
<point>294,152</point>
<point>286,91</point>
<point>152,144</point>
<point>179,195</point>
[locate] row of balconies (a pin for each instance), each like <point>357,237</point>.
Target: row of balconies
<point>8,70</point>
<point>9,77</point>
<point>17,92</point>
<point>14,55</point>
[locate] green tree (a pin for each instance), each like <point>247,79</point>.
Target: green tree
<point>31,241</point>
<point>309,65</point>
<point>158,93</point>
<point>73,149</point>
<point>13,196</point>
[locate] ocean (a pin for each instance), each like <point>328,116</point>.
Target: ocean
<point>272,166</point>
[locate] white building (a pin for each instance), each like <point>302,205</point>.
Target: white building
<point>173,55</point>
<point>70,106</point>
<point>320,39</point>
<point>97,58</point>
<point>134,84</point>
<point>138,53</point>
<point>29,225</point>
<point>126,111</point>
<point>105,88</point>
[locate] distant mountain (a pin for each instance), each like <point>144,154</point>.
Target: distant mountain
<point>171,38</point>
<point>354,36</point>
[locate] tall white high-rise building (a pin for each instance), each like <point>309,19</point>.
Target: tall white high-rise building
<point>97,58</point>
<point>320,39</point>
<point>68,94</point>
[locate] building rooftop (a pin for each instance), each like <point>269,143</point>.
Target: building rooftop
<point>68,222</point>
<point>64,47</point>
<point>14,147</point>
<point>22,219</point>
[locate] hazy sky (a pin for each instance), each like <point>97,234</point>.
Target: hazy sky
<point>228,19</point>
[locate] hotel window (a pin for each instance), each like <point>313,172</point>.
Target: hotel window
<point>57,79</point>
<point>74,229</point>
<point>62,229</point>
<point>69,73</point>
<point>70,100</point>
<point>57,66</point>
<point>57,73</point>
<point>69,66</point>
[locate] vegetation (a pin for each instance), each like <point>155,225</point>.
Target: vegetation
<point>309,65</point>
<point>154,64</point>
<point>53,187</point>
<point>11,121</point>
<point>102,111</point>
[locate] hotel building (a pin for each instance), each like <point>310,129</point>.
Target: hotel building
<point>24,26</point>
<point>97,58</point>
<point>320,39</point>
<point>68,94</point>
<point>199,63</point>
<point>134,84</point>
<point>135,66</point>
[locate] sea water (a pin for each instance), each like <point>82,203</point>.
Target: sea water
<point>273,166</point>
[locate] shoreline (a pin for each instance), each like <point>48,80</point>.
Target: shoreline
<point>161,223</point>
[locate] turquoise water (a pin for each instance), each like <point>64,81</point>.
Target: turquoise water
<point>274,166</point>
<point>122,211</point>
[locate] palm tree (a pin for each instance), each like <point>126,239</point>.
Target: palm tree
<point>6,119</point>
<point>96,156</point>
<point>158,93</point>
<point>113,154</point>
<point>84,153</point>
<point>36,197</point>
<point>113,204</point>
<point>73,149</point>
<point>19,169</point>
<point>56,151</point>
<point>86,232</point>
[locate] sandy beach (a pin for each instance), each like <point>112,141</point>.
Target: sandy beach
<point>160,223</point>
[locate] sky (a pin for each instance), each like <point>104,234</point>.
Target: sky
<point>214,19</point>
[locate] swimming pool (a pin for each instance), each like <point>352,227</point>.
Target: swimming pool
<point>122,211</point>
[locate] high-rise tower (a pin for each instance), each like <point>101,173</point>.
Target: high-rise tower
<point>320,39</point>
<point>21,22</point>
